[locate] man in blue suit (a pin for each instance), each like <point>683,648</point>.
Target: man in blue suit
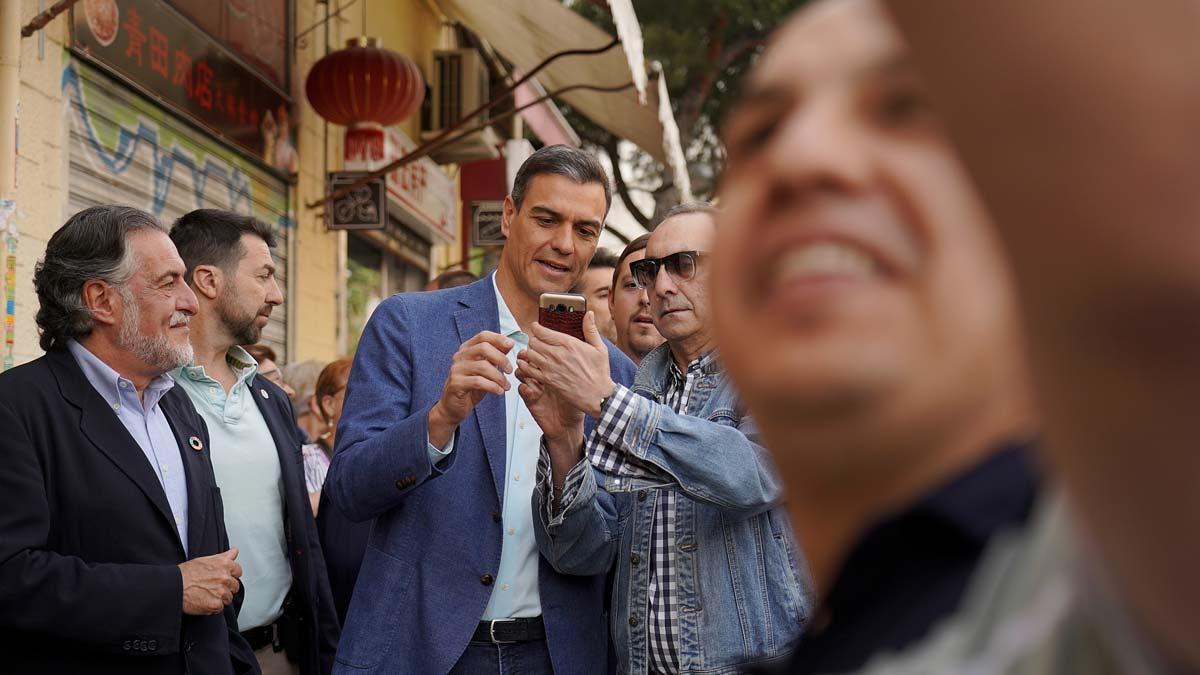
<point>436,444</point>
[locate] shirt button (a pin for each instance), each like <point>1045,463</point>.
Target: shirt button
<point>641,495</point>
<point>164,468</point>
<point>516,476</point>
<point>511,531</point>
<point>633,621</point>
<point>116,406</point>
<point>635,559</point>
<point>505,587</point>
<point>521,425</point>
<point>487,579</point>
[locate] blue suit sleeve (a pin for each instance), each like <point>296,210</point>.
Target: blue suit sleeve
<point>382,449</point>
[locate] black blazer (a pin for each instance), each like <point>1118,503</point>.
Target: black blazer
<point>311,612</point>
<point>89,581</point>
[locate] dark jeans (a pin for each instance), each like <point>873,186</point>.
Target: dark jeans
<point>521,658</point>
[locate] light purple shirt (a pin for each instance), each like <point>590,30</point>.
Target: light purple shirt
<point>146,423</point>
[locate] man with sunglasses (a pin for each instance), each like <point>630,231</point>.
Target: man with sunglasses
<point>672,486</point>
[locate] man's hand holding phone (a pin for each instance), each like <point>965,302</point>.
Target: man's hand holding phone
<point>478,368</point>
<point>574,369</point>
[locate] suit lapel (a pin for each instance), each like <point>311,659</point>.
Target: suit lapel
<point>195,464</point>
<point>480,314</point>
<point>288,467</point>
<point>101,426</point>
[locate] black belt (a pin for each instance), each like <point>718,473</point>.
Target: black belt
<point>262,636</point>
<point>504,631</point>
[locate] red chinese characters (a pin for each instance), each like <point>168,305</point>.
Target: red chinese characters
<point>159,53</point>
<point>137,38</point>
<point>202,85</point>
<point>183,72</point>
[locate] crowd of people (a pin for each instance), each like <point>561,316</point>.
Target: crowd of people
<point>914,398</point>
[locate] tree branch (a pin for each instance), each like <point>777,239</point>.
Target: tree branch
<point>738,48</point>
<point>614,155</point>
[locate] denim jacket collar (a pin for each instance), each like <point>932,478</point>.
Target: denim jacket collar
<point>654,373</point>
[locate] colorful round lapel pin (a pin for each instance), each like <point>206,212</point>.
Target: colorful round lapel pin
<point>196,443</point>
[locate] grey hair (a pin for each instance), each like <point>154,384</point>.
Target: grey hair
<point>688,208</point>
<point>90,245</point>
<point>561,160</point>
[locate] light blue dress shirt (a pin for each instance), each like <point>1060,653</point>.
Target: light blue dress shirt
<point>146,423</point>
<point>515,593</point>
<point>246,466</point>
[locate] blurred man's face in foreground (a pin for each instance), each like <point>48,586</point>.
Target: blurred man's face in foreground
<point>860,292</point>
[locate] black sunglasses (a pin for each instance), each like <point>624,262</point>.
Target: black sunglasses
<point>681,266</point>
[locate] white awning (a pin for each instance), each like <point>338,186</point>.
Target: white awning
<point>528,31</point>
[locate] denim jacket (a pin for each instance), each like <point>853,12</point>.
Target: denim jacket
<point>741,596</point>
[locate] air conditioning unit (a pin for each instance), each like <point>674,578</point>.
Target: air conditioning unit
<point>460,85</point>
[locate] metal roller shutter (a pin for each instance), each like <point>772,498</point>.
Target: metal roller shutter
<point>126,150</point>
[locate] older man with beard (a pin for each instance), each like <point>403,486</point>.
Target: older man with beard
<point>288,616</point>
<point>111,559</point>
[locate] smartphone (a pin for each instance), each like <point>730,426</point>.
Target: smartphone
<point>563,312</point>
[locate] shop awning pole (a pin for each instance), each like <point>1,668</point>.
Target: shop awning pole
<point>39,22</point>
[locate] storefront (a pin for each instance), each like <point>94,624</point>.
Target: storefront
<point>421,203</point>
<point>179,105</point>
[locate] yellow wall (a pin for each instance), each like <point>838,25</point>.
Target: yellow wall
<point>314,299</point>
<point>41,169</point>
<point>406,26</point>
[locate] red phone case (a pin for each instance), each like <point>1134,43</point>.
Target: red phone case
<point>570,323</point>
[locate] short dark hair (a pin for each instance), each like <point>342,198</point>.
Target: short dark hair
<point>92,244</point>
<point>602,258</point>
<point>214,237</point>
<point>688,208</point>
<point>632,247</point>
<point>454,279</point>
<point>561,160</point>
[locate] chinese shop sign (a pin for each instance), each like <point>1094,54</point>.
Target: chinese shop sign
<point>159,50</point>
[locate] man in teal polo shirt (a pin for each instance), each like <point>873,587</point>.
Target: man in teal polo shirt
<point>288,615</point>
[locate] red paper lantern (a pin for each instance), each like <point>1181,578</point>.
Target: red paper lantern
<point>365,87</point>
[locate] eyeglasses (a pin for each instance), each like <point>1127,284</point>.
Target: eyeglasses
<point>681,266</point>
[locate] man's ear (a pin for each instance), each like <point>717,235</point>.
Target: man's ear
<point>207,281</point>
<point>103,301</point>
<point>510,212</point>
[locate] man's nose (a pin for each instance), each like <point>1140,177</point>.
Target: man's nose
<point>186,302</point>
<point>274,294</point>
<point>563,240</point>
<point>664,284</point>
<point>822,146</point>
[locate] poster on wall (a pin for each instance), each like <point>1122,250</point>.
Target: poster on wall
<point>237,96</point>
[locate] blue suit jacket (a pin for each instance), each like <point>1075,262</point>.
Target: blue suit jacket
<point>420,595</point>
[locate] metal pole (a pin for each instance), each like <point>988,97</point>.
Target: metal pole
<point>10,89</point>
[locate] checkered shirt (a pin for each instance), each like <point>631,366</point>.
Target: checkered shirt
<point>605,450</point>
